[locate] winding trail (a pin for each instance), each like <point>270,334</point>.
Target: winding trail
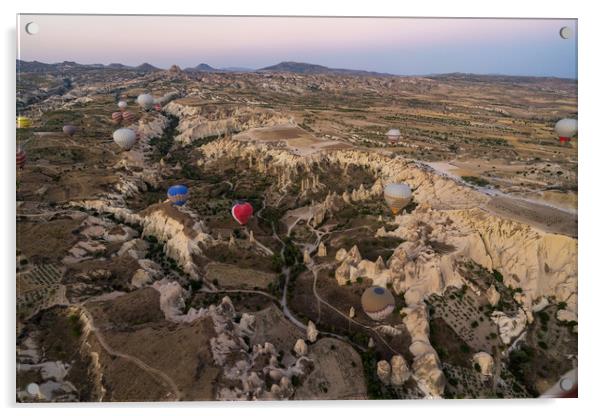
<point>156,373</point>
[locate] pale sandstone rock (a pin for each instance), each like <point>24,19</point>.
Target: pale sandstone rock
<point>509,327</point>
<point>341,254</point>
<point>321,250</point>
<point>383,371</point>
<point>400,372</point>
<point>493,296</point>
<point>300,347</point>
<point>312,332</point>
<point>485,361</point>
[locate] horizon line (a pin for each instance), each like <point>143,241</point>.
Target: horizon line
<point>225,69</point>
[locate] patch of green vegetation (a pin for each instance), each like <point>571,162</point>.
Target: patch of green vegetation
<point>475,180</point>
<point>75,325</point>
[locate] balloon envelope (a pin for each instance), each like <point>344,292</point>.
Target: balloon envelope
<point>21,158</point>
<point>69,130</point>
<point>146,101</point>
<point>242,212</point>
<point>397,196</point>
<point>117,117</point>
<point>178,194</point>
<point>125,138</point>
<point>377,302</point>
<point>23,122</point>
<point>128,117</point>
<point>122,105</point>
<point>566,128</point>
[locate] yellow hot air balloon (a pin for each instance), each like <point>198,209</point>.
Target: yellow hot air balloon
<point>397,196</point>
<point>23,122</point>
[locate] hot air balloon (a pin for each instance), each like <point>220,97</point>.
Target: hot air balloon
<point>157,107</point>
<point>393,135</point>
<point>566,129</point>
<point>125,138</point>
<point>146,101</point>
<point>242,212</point>
<point>128,117</point>
<point>21,158</point>
<point>33,389</point>
<point>69,130</point>
<point>397,196</point>
<point>117,117</point>
<point>178,194</point>
<point>23,122</point>
<point>377,302</point>
<point>122,105</point>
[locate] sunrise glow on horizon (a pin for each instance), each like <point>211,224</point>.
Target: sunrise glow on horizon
<point>403,46</point>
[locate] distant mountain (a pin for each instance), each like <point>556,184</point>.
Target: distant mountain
<point>237,69</point>
<point>202,68</point>
<point>304,68</point>
<point>35,66</point>
<point>118,66</point>
<point>146,67</point>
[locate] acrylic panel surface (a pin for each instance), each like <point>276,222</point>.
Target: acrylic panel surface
<point>287,208</point>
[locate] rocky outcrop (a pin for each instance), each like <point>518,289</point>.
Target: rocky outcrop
<point>383,371</point>
<point>197,122</point>
<point>180,233</point>
<point>400,373</point>
<point>312,332</point>
<point>509,327</point>
<point>485,363</point>
<point>426,366</point>
<point>300,347</point>
<point>493,296</point>
<point>248,369</point>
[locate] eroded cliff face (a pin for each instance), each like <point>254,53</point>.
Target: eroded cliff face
<point>197,122</point>
<point>181,233</point>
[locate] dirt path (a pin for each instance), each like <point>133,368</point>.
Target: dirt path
<point>136,361</point>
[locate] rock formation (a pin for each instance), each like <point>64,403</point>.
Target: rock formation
<point>485,362</point>
<point>312,332</point>
<point>383,371</point>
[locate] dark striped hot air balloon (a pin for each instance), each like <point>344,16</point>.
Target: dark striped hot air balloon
<point>128,117</point>
<point>178,194</point>
<point>21,158</point>
<point>117,117</point>
<point>69,130</point>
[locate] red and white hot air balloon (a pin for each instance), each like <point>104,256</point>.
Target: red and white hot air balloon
<point>242,212</point>
<point>566,129</point>
<point>21,158</point>
<point>128,117</point>
<point>157,107</point>
<point>117,117</point>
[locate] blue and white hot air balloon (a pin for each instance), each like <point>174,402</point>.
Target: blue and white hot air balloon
<point>178,194</point>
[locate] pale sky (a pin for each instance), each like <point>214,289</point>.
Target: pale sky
<point>403,46</point>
